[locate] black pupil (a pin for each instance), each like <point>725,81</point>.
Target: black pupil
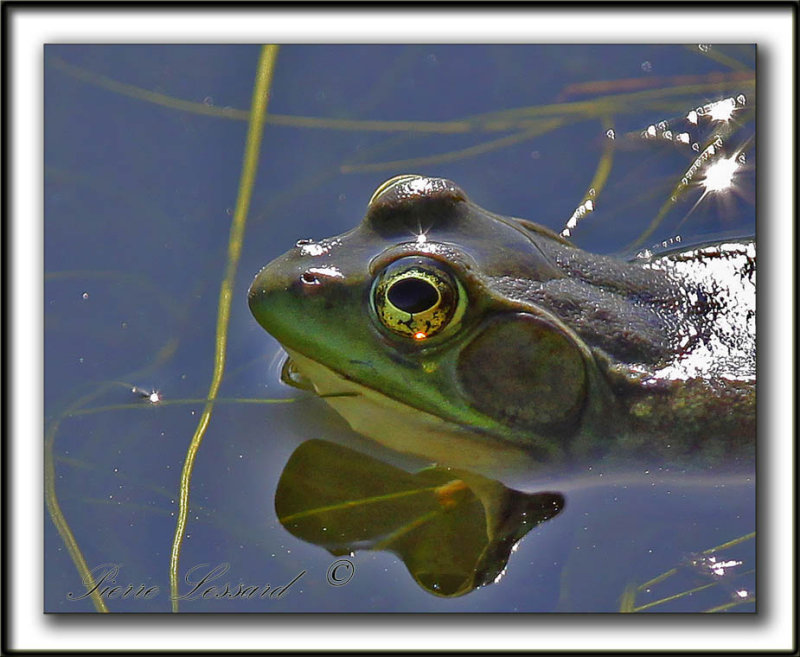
<point>413,295</point>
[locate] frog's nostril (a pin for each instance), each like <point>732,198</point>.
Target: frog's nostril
<point>307,278</point>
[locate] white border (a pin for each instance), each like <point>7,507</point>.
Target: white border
<point>30,28</point>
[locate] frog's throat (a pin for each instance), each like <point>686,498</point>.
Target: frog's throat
<point>406,429</point>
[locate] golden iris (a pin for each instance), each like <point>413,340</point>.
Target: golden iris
<point>415,297</point>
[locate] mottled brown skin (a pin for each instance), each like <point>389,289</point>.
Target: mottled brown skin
<point>706,421</point>
<point>558,352</point>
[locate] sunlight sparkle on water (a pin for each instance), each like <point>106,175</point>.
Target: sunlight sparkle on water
<point>153,396</point>
<point>722,110</point>
<point>719,175</point>
<point>580,212</point>
<point>719,567</point>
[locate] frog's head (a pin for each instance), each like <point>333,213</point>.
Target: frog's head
<point>407,325</point>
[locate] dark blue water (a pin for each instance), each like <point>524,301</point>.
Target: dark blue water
<point>138,202</point>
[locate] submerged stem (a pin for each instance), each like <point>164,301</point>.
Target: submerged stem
<point>255,129</point>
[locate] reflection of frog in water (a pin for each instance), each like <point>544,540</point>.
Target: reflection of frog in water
<point>469,338</point>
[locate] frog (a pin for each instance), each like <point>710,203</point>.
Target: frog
<point>475,340</point>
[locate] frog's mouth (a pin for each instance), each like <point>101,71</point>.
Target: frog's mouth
<point>401,427</point>
<point>292,376</point>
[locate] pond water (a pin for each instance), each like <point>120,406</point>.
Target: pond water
<point>143,154</point>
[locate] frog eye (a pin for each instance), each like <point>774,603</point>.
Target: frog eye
<point>417,298</point>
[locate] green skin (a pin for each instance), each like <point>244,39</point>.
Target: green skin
<point>555,354</point>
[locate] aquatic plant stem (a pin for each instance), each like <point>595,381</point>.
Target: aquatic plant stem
<point>452,156</point>
<point>258,110</point>
<point>628,599</point>
<point>57,516</point>
<point>51,495</point>
<point>604,165</point>
<point>501,121</point>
